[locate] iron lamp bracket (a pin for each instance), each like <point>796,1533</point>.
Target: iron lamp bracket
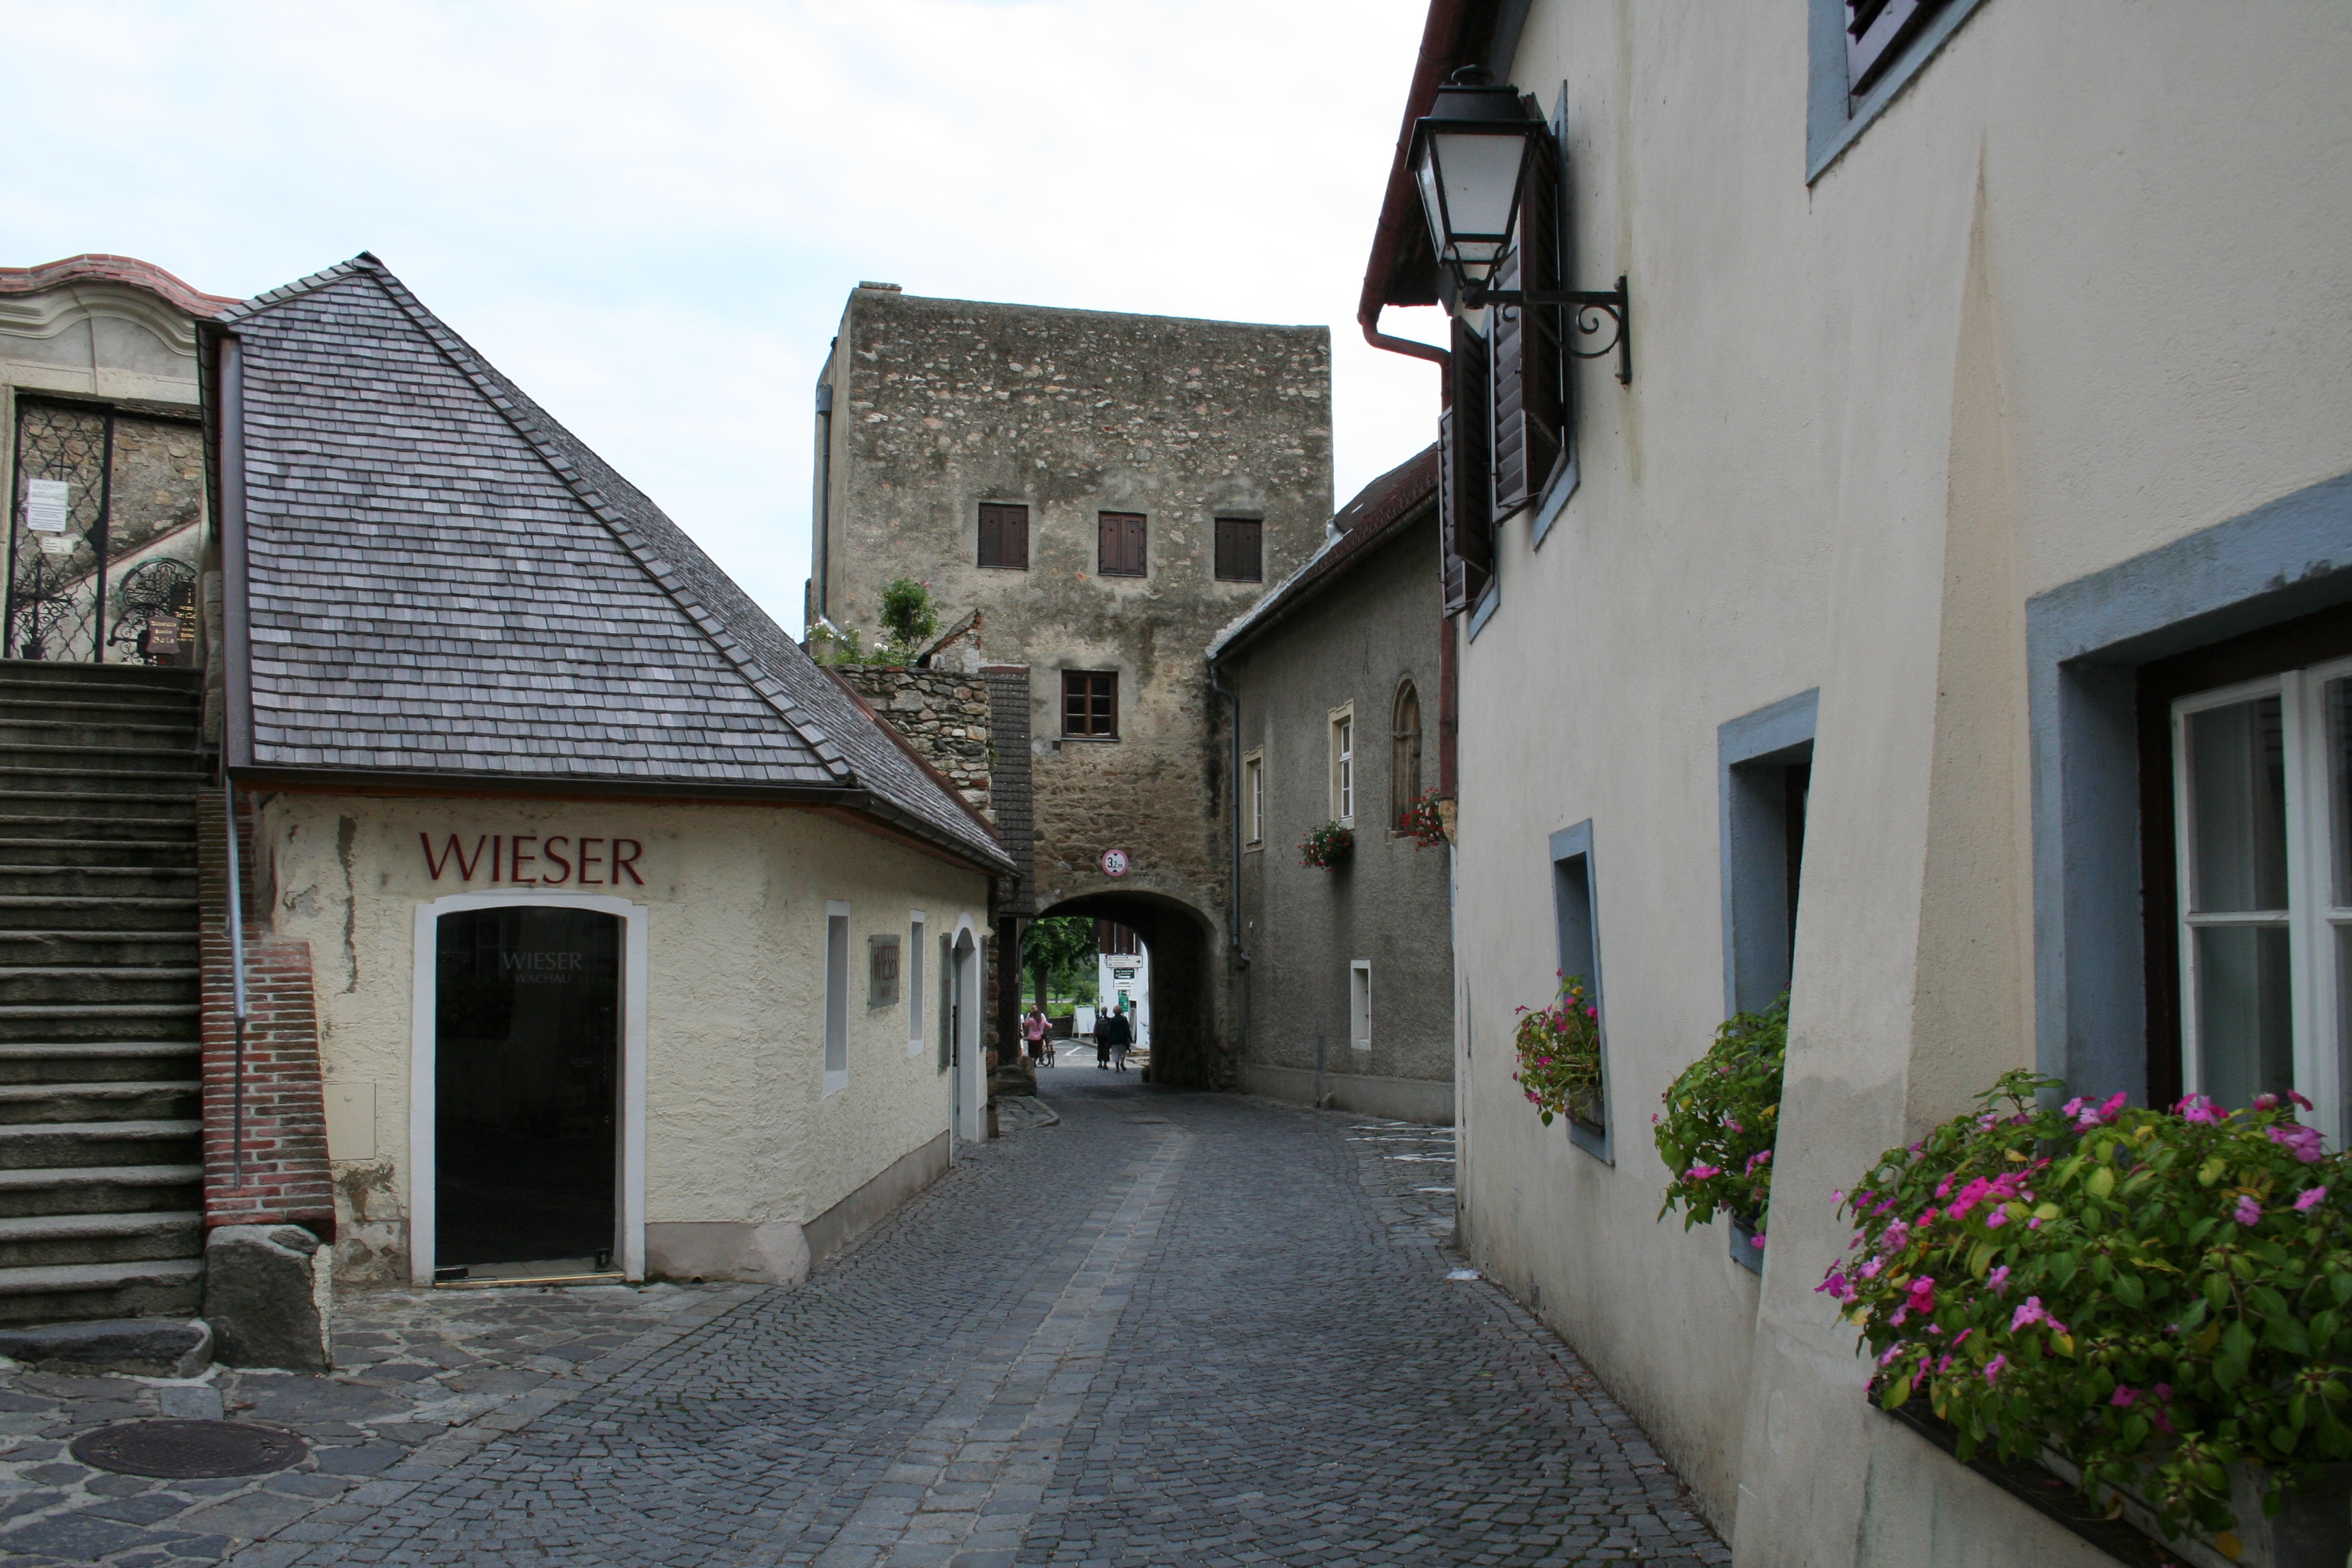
<point>1587,310</point>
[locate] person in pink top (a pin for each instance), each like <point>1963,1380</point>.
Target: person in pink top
<point>1039,1034</point>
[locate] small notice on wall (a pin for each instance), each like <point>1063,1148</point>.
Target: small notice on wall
<point>46,503</point>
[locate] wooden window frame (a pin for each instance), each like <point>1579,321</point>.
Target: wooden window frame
<point>1089,696</point>
<point>993,517</point>
<point>1343,764</point>
<point>1119,560</point>
<point>1223,566</point>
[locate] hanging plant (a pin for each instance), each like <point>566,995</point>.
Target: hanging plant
<point>1422,820</point>
<point>1326,847</point>
<point>2154,1296</point>
<point>1722,1114</point>
<point>1559,1055</point>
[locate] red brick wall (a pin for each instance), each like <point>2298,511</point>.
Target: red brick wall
<point>285,1173</point>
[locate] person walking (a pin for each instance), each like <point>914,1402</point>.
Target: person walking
<point>1039,1033</point>
<point>1122,1041</point>
<point>1104,1030</point>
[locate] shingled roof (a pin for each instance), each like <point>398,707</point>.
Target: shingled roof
<point>1379,511</point>
<point>440,584</point>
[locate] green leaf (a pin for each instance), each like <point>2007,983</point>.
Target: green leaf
<point>2282,1438</point>
<point>1896,1395</point>
<point>2062,1266</point>
<point>2129,1290</point>
<point>2237,1341</point>
<point>2287,1334</point>
<point>2229,1370</point>
<point>1980,1259</point>
<point>2102,1182</point>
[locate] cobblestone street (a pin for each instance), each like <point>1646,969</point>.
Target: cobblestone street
<point>1170,1329</point>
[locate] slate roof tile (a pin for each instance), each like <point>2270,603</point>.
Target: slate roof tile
<point>442,579</point>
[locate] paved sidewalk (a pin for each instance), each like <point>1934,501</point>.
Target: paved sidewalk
<point>1168,1328</point>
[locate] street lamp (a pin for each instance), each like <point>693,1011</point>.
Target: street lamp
<point>1470,158</point>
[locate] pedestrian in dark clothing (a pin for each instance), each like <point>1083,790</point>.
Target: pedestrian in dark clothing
<point>1102,1040</point>
<point>1112,1037</point>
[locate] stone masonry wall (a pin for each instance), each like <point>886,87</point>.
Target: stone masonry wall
<point>943,715</point>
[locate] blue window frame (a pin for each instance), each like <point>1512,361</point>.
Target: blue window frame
<point>1576,915</point>
<point>1764,773</point>
<point>1834,114</point>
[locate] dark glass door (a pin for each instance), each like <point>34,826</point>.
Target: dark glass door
<point>528,1067</point>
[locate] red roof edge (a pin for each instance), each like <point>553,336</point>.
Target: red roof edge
<point>128,271</point>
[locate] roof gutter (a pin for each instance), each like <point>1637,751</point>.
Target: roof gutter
<point>1441,43</point>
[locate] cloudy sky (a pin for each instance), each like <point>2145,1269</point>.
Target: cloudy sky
<point>649,215</point>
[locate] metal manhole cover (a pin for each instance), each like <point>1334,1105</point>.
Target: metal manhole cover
<point>186,1449</point>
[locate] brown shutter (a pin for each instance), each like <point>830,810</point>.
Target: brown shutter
<point>1240,549</point>
<point>1016,537</point>
<point>992,536</point>
<point>1119,544</point>
<point>1005,536</point>
<point>1530,392</point>
<point>1466,490</point>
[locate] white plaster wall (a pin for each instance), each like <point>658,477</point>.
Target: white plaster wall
<point>2081,290</point>
<point>738,1129</point>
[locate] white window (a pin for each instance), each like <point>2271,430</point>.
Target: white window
<point>2262,813</point>
<point>1253,798</point>
<point>836,996</point>
<point>915,927</point>
<point>1360,1005</point>
<point>1343,766</point>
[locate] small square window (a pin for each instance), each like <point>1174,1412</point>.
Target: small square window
<point>1240,554</point>
<point>1090,704</point>
<point>1005,536</point>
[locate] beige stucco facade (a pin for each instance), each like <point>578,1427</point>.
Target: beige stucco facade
<point>750,1157</point>
<point>2079,294</point>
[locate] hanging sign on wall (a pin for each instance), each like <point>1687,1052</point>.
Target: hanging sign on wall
<point>535,860</point>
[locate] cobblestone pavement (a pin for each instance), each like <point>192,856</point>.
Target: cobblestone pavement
<point>1168,1328</point>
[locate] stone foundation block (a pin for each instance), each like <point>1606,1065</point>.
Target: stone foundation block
<point>267,1296</point>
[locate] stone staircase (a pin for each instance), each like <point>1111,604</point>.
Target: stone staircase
<point>101,1174</point>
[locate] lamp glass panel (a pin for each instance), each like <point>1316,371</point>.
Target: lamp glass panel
<point>1480,171</point>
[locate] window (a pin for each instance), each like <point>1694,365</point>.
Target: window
<point>1360,1005</point>
<point>836,996</point>
<point>1766,776</point>
<point>1863,53</point>
<point>1877,32</point>
<point>881,972</point>
<point>1119,544</point>
<point>1090,704</point>
<point>1404,754</point>
<point>1005,536</point>
<point>1465,496</point>
<point>1253,798</point>
<point>915,926</point>
<point>1343,766</point>
<point>1576,916</point>
<point>1530,367</point>
<point>1239,555</point>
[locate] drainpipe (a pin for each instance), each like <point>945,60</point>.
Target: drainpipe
<point>237,981</point>
<point>1233,904</point>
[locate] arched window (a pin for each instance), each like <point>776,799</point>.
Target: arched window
<point>1404,753</point>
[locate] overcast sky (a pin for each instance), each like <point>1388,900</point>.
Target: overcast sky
<point>649,216</point>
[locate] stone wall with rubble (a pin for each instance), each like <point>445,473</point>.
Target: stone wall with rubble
<point>933,407</point>
<point>944,715</point>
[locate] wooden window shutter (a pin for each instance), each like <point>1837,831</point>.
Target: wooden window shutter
<point>1240,549</point>
<point>1530,368</point>
<point>1005,536</point>
<point>1466,487</point>
<point>1119,544</point>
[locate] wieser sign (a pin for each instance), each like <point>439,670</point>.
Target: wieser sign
<point>535,860</point>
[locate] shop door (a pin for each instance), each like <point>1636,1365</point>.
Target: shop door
<point>526,1126</point>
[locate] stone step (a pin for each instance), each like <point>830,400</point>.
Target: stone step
<point>33,1241</point>
<point>28,724</point>
<point>21,947</point>
<point>29,912</point>
<point>100,1189</point>
<point>43,1145</point>
<point>168,1287</point>
<point>88,767</point>
<point>98,881</point>
<point>98,1021</point>
<point>174,854</point>
<point>139,810</point>
<point>98,1062</point>
<point>142,1347</point>
<point>98,983</point>
<point>60,783</point>
<point>120,1099</point>
<point>101,677</point>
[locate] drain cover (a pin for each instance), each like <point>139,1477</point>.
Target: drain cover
<point>185,1449</point>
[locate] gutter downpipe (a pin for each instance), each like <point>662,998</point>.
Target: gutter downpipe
<point>237,976</point>
<point>1441,43</point>
<point>1233,902</point>
<point>237,697</point>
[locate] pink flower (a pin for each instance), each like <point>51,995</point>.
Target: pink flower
<point>1961,1338</point>
<point>2124,1397</point>
<point>1994,1367</point>
<point>1996,1219</point>
<point>2197,1108</point>
<point>1702,1173</point>
<point>1763,1158</point>
<point>1870,1267</point>
<point>2163,1391</point>
<point>2303,1142</point>
<point>2298,1098</point>
<point>2311,1199</point>
<point>2033,1312</point>
<point>1834,1286</point>
<point>1998,1281</point>
<point>1756,1240</point>
<point>2266,1102</point>
<point>1737,1127</point>
<point>1923,1295</point>
<point>2249,1211</point>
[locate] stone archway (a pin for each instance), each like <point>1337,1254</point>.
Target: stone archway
<point>1184,1046</point>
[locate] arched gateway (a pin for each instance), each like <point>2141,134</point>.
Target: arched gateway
<point>1183,977</point>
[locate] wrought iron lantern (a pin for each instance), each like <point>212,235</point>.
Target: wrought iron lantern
<point>1470,158</point>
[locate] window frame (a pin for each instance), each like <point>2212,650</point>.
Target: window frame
<point>836,1034</point>
<point>1576,931</point>
<point>1343,766</point>
<point>1253,798</point>
<point>1006,511</point>
<point>918,924</point>
<point>1090,734</point>
<point>1835,117</point>
<point>1755,754</point>
<point>1257,548</point>
<point>1404,755</point>
<point>1360,1005</point>
<point>1143,539</point>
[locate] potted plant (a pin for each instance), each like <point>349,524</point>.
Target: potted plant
<point>1716,1132</point>
<point>2159,1301</point>
<point>1327,847</point>
<point>1422,822</point>
<point>1559,1055</point>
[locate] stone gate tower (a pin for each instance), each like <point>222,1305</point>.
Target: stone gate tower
<point>1105,491</point>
